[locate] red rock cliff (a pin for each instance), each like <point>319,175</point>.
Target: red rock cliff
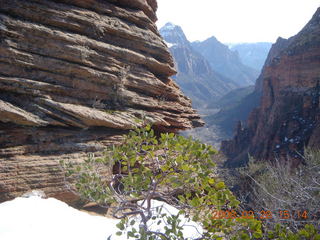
<point>287,119</point>
<point>74,76</point>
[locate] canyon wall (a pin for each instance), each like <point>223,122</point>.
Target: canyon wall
<point>287,119</point>
<point>74,77</point>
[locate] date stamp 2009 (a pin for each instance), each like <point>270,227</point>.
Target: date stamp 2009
<point>263,215</point>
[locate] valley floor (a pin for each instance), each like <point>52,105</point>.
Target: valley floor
<point>210,134</point>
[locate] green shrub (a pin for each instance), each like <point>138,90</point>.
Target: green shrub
<point>171,168</point>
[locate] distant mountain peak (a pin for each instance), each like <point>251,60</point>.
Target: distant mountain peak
<point>195,75</point>
<point>173,34</point>
<point>226,62</point>
<point>169,26</point>
<point>213,39</point>
<point>252,54</point>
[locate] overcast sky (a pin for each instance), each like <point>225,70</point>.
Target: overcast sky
<point>232,21</point>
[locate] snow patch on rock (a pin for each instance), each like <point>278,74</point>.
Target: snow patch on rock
<point>35,218</point>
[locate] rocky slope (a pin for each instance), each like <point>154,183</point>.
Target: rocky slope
<point>74,76</point>
<point>195,75</point>
<point>226,62</point>
<point>287,119</point>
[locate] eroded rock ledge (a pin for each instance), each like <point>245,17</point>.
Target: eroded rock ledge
<point>74,77</point>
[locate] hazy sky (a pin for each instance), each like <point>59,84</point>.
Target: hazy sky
<point>237,20</point>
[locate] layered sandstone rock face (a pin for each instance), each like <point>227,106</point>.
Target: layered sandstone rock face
<point>288,117</point>
<point>74,77</point>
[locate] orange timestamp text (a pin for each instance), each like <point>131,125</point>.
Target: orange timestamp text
<point>261,215</point>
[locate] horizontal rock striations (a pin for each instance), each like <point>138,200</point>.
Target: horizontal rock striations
<point>287,119</point>
<point>74,77</point>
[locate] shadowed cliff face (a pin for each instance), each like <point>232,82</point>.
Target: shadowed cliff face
<point>287,119</point>
<point>74,76</point>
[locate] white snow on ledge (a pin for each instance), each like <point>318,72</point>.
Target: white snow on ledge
<point>35,218</point>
